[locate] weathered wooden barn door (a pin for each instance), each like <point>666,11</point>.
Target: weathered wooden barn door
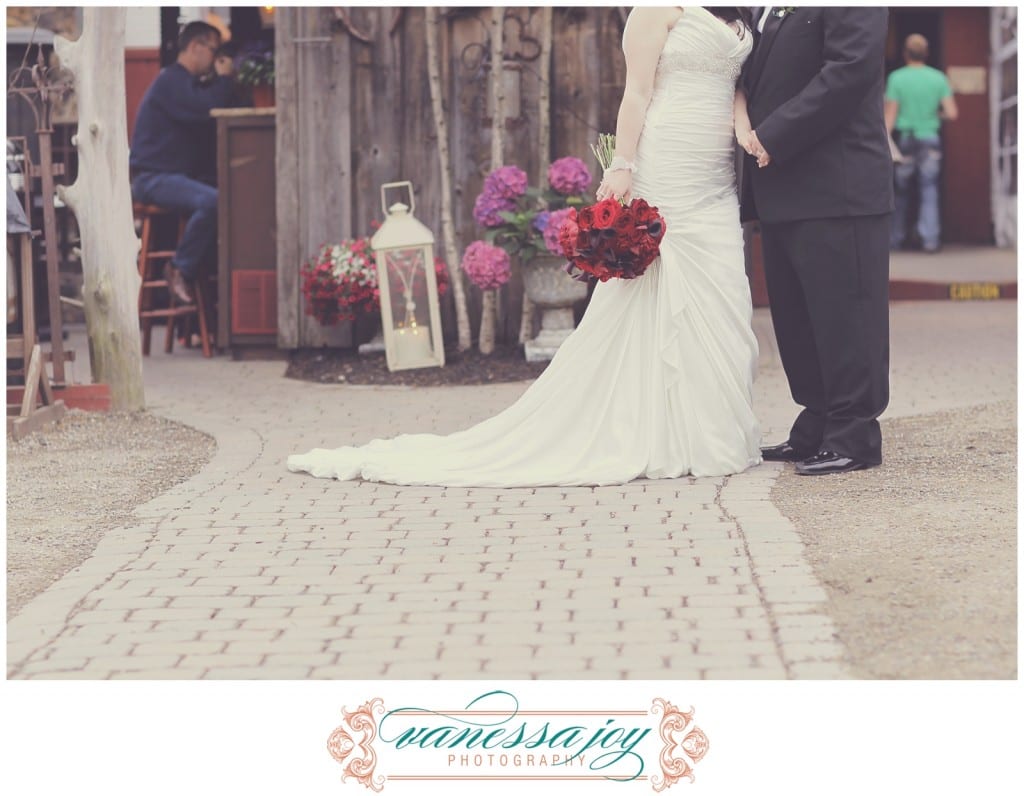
<point>314,160</point>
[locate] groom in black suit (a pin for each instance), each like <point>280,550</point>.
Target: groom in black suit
<point>818,176</point>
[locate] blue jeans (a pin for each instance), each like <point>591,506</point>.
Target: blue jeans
<point>922,160</point>
<point>191,198</point>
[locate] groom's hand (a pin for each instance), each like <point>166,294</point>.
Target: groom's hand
<point>758,150</point>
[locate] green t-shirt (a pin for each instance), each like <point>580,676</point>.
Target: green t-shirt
<point>919,90</point>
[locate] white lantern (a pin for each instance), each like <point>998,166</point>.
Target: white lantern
<point>404,250</point>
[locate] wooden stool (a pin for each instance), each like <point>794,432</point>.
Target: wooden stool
<point>188,328</point>
<point>151,263</point>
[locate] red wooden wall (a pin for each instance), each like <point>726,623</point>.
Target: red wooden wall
<point>141,66</point>
<point>966,196</point>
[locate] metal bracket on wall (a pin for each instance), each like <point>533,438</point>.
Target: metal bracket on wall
<point>343,21</point>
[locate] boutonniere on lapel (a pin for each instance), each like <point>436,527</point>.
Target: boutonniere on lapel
<point>781,12</point>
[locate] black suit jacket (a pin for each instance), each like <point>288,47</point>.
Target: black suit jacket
<point>815,87</point>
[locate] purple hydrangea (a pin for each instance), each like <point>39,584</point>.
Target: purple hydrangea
<point>488,267</point>
<point>569,176</point>
<point>508,182</point>
<point>488,208</point>
<point>555,221</point>
<point>540,221</point>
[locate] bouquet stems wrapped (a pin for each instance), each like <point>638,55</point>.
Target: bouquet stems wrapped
<point>604,149</point>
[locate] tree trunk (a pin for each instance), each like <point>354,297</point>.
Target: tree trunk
<point>543,143</point>
<point>489,318</point>
<point>544,112</point>
<point>102,204</point>
<point>447,220</point>
<point>488,311</point>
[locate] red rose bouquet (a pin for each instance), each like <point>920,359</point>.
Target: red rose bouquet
<point>611,240</point>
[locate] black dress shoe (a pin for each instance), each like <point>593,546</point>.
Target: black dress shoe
<point>782,453</point>
<point>828,462</point>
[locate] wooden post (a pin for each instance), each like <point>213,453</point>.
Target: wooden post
<point>288,198</point>
<point>447,222</point>
<point>102,203</point>
<point>323,177</point>
<point>52,266</point>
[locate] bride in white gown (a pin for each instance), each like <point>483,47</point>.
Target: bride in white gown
<point>656,381</point>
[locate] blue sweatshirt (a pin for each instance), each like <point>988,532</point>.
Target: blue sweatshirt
<point>173,118</point>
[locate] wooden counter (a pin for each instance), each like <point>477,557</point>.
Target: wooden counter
<point>228,113</point>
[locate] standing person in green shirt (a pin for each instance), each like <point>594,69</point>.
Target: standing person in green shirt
<point>917,99</point>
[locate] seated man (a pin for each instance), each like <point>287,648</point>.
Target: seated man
<point>173,116</point>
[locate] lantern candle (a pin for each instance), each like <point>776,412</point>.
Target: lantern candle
<point>404,250</point>
<point>413,344</point>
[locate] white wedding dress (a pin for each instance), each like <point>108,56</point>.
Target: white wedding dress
<point>656,381</point>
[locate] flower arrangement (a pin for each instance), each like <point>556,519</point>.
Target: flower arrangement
<point>256,68</point>
<point>341,281</point>
<point>524,221</point>
<point>487,266</point>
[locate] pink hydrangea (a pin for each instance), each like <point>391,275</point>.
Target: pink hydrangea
<point>555,222</point>
<point>569,176</point>
<point>508,182</point>
<point>488,208</point>
<point>488,267</point>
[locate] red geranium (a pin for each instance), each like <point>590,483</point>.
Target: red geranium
<point>341,281</point>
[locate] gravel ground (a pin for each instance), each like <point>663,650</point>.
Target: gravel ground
<point>68,485</point>
<point>920,555</point>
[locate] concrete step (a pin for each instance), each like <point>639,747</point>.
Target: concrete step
<point>956,273</point>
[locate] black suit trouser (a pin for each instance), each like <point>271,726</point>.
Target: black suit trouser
<point>828,284</point>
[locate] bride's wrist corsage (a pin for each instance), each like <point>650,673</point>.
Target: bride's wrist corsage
<point>619,163</point>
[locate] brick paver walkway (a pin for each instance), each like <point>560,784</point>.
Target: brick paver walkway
<point>248,571</point>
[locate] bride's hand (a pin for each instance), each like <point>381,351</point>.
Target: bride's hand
<point>743,132</point>
<point>759,152</point>
<point>616,183</point>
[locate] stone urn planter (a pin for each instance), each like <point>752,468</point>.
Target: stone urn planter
<point>553,292</point>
